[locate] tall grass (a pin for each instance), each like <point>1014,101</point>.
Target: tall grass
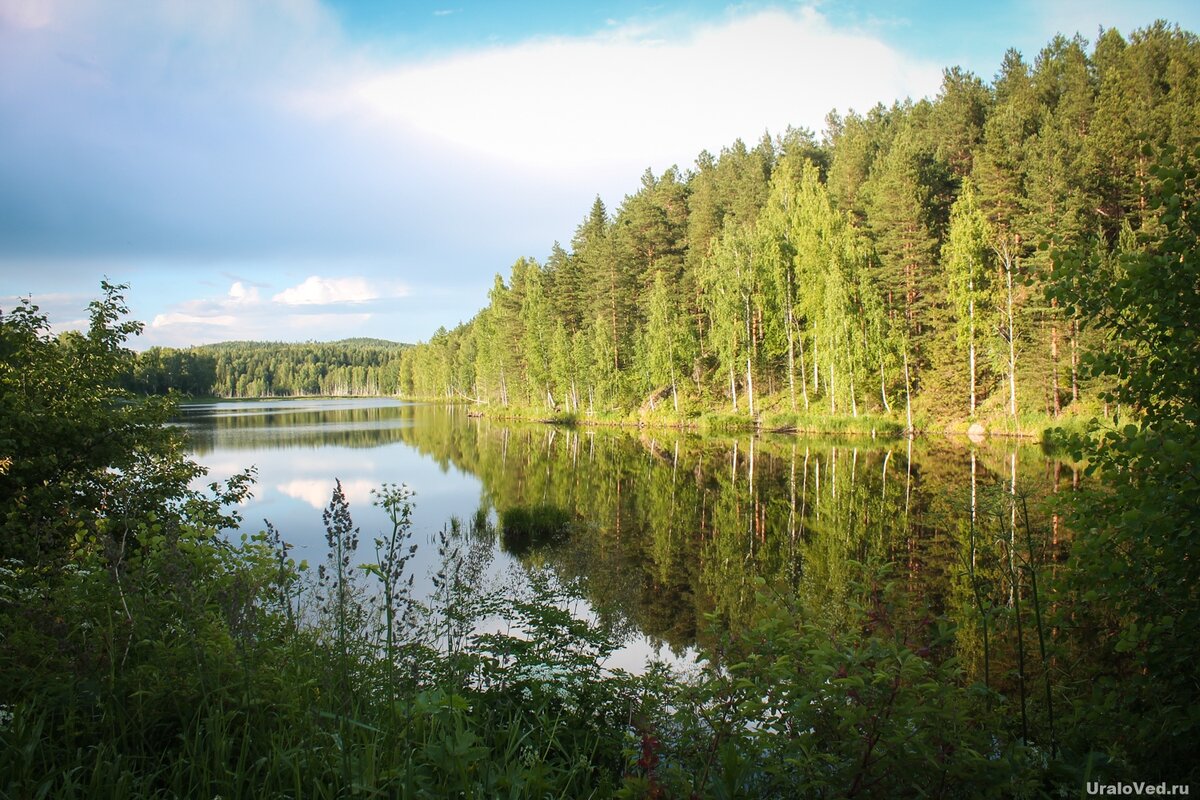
<point>863,424</point>
<point>235,672</point>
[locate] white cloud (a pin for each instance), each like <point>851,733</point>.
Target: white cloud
<point>317,492</point>
<point>323,291</point>
<point>237,315</point>
<point>632,95</point>
<point>240,294</point>
<point>221,313</point>
<point>172,318</point>
<point>318,308</point>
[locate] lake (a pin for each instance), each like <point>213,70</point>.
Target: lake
<point>669,527</point>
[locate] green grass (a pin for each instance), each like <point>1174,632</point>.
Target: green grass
<point>863,424</point>
<point>722,422</point>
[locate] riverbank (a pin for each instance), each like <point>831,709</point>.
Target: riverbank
<point>1032,427</point>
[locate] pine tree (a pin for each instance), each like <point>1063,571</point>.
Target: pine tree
<point>607,291</point>
<point>958,119</point>
<point>905,192</point>
<point>1059,202</point>
<point>855,143</point>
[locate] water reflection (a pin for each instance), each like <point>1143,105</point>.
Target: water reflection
<point>668,527</point>
<point>273,424</point>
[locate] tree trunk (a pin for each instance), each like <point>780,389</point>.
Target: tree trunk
<point>749,356</point>
<point>1055,392</point>
<point>1074,361</point>
<point>816,368</point>
<point>1007,257</point>
<point>907,394</point>
<point>971,338</point>
<point>803,375</point>
<point>853,400</point>
<point>749,386</point>
<point>732,387</point>
<point>791,348</point>
<point>832,394</point>
<point>883,386</point>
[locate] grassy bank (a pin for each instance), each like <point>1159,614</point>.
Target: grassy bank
<point>775,417</point>
<point>1034,427</point>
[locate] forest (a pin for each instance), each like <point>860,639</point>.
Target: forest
<point>269,369</point>
<point>896,266</point>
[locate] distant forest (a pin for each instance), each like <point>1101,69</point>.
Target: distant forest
<point>897,265</point>
<point>270,369</point>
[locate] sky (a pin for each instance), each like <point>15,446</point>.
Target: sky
<point>295,170</point>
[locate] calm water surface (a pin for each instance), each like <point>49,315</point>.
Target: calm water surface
<point>668,526</point>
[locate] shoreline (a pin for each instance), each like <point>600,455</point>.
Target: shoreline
<point>711,422</point>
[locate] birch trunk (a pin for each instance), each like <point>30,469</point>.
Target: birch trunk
<point>791,337</point>
<point>732,387</point>
<point>853,400</point>
<point>749,355</point>
<point>883,387</point>
<point>1012,341</point>
<point>907,395</point>
<point>803,375</point>
<point>971,338</point>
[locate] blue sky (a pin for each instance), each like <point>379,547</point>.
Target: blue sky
<point>296,169</point>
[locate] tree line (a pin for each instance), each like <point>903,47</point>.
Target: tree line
<point>895,265</point>
<point>359,366</point>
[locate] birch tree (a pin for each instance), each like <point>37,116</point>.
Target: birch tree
<point>967,256</point>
